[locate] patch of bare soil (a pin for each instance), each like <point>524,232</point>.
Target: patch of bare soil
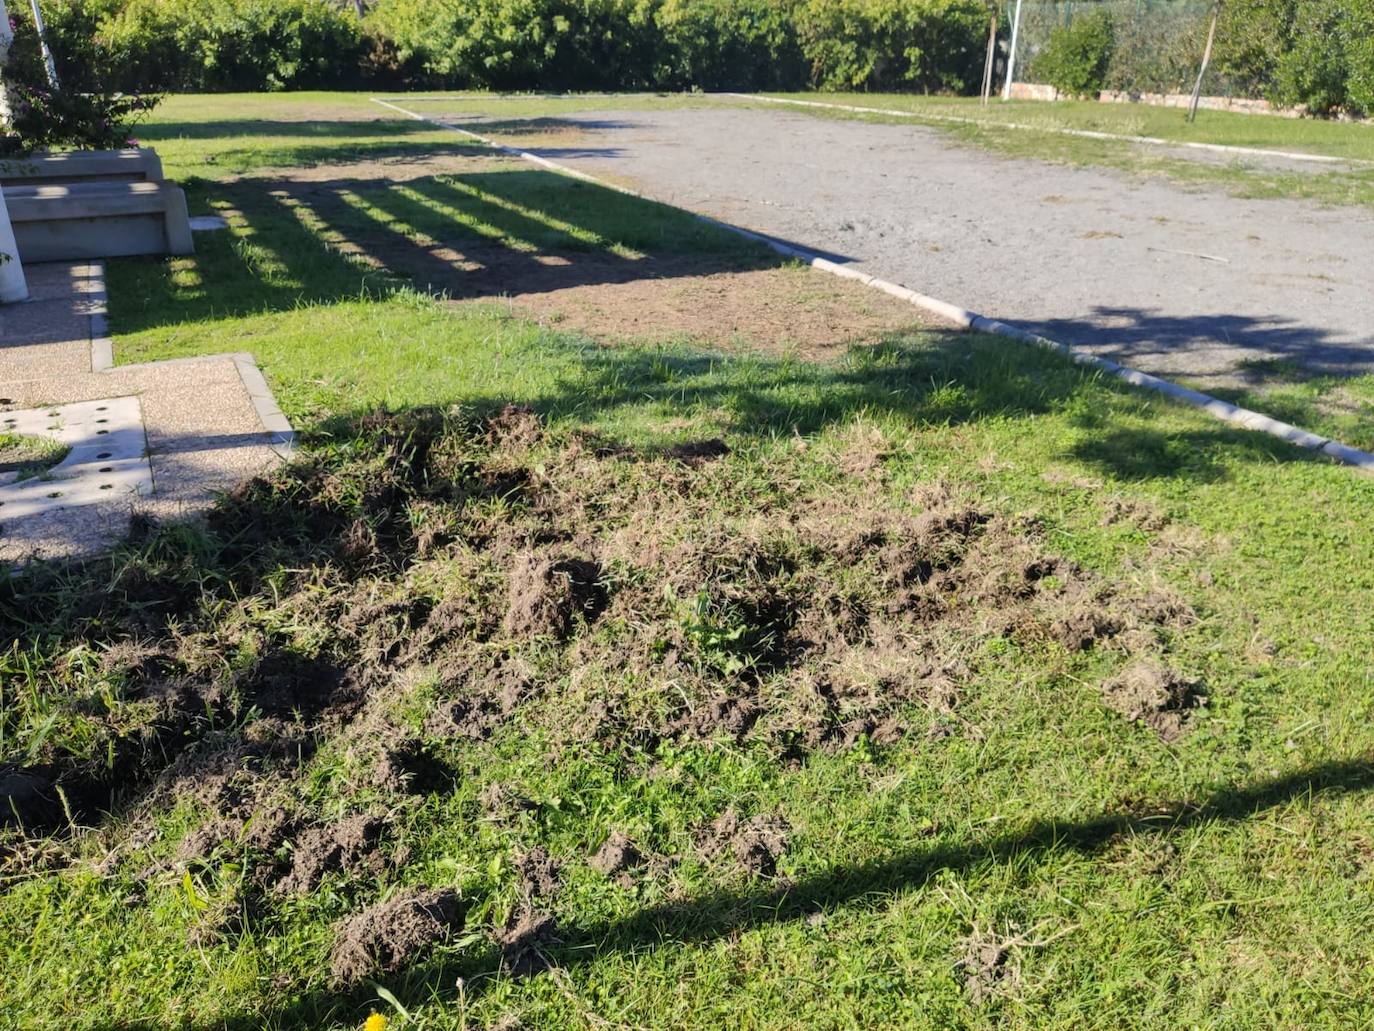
<point>523,940</point>
<point>588,594</point>
<point>617,857</point>
<point>1151,693</point>
<point>352,845</point>
<point>756,844</point>
<point>782,308</point>
<point>386,938</point>
<point>539,873</point>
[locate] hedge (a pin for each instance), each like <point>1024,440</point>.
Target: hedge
<point>1319,53</point>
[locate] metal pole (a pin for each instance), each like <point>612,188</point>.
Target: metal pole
<point>1206,60</point>
<point>43,45</point>
<point>1011,58</point>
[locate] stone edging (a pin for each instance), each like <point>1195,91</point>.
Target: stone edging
<point>962,317</point>
<point>281,438</point>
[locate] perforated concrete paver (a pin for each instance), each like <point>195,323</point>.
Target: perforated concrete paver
<point>176,435</point>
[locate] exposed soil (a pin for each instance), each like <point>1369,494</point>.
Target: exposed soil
<point>523,939</point>
<point>781,309</point>
<point>617,857</point>
<point>548,593</point>
<point>592,595</point>
<point>352,845</point>
<point>756,843</point>
<point>1149,692</point>
<point>386,938</point>
<point>539,873</point>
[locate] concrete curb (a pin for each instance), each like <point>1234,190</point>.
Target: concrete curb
<point>1087,134</point>
<point>281,438</point>
<point>965,319</point>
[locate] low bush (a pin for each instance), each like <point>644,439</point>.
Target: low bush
<point>85,112</point>
<point>1078,55</point>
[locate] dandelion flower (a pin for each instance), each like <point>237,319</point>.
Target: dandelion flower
<point>375,1022</point>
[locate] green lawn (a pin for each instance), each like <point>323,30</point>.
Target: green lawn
<point>919,570</point>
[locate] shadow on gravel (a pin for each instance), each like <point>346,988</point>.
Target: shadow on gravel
<point>1277,349</point>
<point>870,885</point>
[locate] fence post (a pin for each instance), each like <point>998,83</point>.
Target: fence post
<point>1206,60</point>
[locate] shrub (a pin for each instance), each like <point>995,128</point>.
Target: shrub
<point>526,44</point>
<point>84,113</point>
<point>1077,56</point>
<point>729,44</point>
<point>926,45</point>
<point>235,44</point>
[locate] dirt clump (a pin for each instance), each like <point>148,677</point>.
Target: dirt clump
<point>695,453</point>
<point>756,843</point>
<point>501,804</point>
<point>472,718</point>
<point>351,846</point>
<point>386,938</point>
<point>1149,692</point>
<point>515,427</point>
<point>28,798</point>
<point>733,716</point>
<point>523,939</point>
<point>407,768</point>
<point>548,593</point>
<point>988,966</point>
<point>539,873</point>
<point>617,857</point>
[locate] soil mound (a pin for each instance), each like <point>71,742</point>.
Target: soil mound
<point>1149,692</point>
<point>388,937</point>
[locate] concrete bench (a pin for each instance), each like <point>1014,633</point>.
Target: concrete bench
<point>132,165</point>
<point>98,219</point>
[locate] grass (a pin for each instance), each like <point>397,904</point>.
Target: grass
<point>26,456</point>
<point>1097,875</point>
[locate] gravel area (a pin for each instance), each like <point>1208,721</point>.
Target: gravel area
<point>1179,281</point>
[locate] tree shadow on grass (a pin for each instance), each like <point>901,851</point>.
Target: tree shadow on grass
<point>221,129</point>
<point>315,240</point>
<point>871,885</point>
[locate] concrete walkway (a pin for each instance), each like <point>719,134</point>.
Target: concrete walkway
<point>197,427</point>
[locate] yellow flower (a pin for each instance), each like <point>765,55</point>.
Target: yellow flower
<point>376,1022</point>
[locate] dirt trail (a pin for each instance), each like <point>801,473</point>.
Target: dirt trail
<point>1173,280</point>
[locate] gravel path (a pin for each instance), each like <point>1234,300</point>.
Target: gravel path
<point>1173,280</point>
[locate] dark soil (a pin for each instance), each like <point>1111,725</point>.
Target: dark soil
<point>523,940</point>
<point>353,845</point>
<point>386,938</point>
<point>547,594</point>
<point>756,844</point>
<point>539,874</point>
<point>1149,692</point>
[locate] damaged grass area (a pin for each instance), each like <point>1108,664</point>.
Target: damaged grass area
<point>468,698</point>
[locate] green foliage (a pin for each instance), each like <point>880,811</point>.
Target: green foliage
<point>730,44</point>
<point>926,45</point>
<point>235,44</point>
<point>85,112</point>
<point>1078,55</point>
<point>1317,54</point>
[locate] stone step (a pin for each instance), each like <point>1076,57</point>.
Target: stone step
<point>136,164</point>
<point>98,219</point>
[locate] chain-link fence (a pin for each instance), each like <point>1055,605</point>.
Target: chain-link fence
<point>1156,45</point>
